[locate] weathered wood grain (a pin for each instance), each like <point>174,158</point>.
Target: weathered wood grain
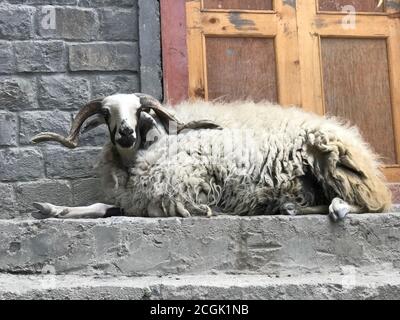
<point>356,88</point>
<point>241,68</point>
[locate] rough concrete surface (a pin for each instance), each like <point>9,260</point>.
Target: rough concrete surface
<point>274,245</point>
<point>221,287</point>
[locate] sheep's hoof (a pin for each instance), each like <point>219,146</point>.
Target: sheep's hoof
<point>338,210</point>
<point>181,210</point>
<point>47,210</point>
<point>202,210</point>
<point>289,209</point>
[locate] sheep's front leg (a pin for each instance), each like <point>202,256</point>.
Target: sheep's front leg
<point>97,210</point>
<point>164,208</point>
<point>174,208</point>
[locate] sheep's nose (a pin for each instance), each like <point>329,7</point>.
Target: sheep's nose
<point>125,131</point>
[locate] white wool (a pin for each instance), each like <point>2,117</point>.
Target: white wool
<point>265,155</point>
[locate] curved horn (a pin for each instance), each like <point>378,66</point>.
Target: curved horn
<point>149,102</point>
<point>72,140</point>
<point>201,124</point>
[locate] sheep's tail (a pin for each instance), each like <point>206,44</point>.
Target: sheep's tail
<point>349,171</point>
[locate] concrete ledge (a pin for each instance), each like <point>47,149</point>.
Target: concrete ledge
<point>221,287</point>
<point>139,246</point>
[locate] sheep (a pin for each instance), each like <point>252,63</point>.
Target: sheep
<point>246,159</point>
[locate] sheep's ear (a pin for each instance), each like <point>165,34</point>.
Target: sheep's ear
<point>150,131</point>
<point>164,115</point>
<point>167,119</point>
<point>98,120</point>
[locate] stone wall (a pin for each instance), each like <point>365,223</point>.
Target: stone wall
<point>56,55</point>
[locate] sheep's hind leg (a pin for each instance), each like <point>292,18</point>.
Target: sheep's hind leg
<point>98,210</point>
<point>337,210</point>
<point>291,209</point>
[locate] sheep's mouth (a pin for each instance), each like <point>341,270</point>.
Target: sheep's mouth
<point>126,142</point>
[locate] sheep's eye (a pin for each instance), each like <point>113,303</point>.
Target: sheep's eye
<point>106,113</point>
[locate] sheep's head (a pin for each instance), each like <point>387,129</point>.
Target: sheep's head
<point>125,115</point>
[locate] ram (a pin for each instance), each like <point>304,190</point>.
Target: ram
<point>247,159</point>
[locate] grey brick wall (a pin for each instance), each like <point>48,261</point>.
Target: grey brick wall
<point>56,55</point>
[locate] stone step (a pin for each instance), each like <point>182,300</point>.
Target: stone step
<point>269,245</point>
<point>382,285</point>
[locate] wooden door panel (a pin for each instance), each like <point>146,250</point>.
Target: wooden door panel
<point>359,5</point>
<point>304,53</point>
<point>356,88</point>
<point>237,53</point>
<point>241,68</point>
<point>340,68</point>
<point>238,4</point>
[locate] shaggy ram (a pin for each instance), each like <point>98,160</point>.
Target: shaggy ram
<point>247,159</point>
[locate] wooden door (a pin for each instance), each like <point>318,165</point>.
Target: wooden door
<point>317,54</point>
<point>350,67</point>
<point>239,49</point>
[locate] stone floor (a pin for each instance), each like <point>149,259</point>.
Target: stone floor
<point>268,257</point>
